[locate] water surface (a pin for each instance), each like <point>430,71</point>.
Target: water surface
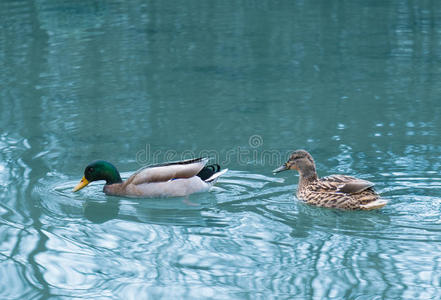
<point>137,82</point>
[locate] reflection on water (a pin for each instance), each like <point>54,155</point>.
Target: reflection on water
<point>354,82</point>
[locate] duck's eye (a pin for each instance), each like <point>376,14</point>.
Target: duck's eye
<point>90,169</point>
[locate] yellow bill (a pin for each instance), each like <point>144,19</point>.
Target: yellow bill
<point>80,185</point>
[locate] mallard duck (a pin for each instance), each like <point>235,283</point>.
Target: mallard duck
<point>337,191</point>
<point>173,179</point>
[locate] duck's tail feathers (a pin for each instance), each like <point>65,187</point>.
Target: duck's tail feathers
<point>211,173</point>
<point>208,171</point>
<point>213,178</point>
<point>379,203</point>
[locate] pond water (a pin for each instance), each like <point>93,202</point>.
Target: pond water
<point>356,83</point>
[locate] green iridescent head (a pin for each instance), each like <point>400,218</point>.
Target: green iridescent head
<point>99,170</point>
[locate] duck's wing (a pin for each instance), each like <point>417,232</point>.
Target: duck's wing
<point>345,184</point>
<point>168,171</point>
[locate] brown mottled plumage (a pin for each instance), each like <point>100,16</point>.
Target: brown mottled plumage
<point>336,191</point>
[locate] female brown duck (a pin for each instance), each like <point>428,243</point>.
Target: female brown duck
<point>337,191</point>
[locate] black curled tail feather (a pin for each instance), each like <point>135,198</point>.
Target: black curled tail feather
<point>208,171</point>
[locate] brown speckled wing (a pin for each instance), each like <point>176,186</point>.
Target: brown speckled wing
<point>355,187</point>
<point>347,184</point>
<point>339,191</point>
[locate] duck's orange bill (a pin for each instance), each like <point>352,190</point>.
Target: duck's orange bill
<point>80,185</point>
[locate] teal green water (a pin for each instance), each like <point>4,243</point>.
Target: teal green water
<point>357,83</point>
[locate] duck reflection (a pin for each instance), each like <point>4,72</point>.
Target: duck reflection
<point>100,212</point>
<point>309,220</point>
<point>175,211</point>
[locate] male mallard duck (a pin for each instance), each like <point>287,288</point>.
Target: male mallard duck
<point>172,179</point>
<point>338,191</point>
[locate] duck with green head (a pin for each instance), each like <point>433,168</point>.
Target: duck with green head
<point>172,179</point>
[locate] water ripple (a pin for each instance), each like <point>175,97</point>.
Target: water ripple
<point>249,233</point>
